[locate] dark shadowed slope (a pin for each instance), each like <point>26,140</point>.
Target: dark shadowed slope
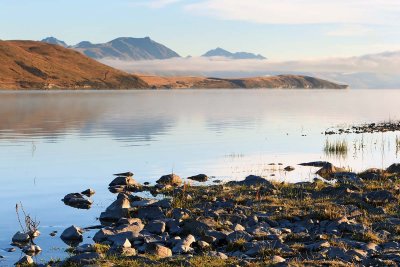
<point>38,65</point>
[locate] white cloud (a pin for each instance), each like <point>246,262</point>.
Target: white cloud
<point>350,30</point>
<point>387,62</point>
<point>384,12</point>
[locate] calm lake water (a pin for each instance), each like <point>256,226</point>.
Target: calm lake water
<point>54,143</point>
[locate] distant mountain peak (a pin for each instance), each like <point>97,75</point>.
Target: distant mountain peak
<point>127,48</point>
<point>55,41</point>
<point>220,52</point>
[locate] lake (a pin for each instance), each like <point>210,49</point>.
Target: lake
<point>55,143</point>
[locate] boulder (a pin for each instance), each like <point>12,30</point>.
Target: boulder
<point>183,246</point>
<point>150,213</point>
<point>120,232</point>
<point>170,179</point>
<point>199,178</point>
<point>72,235</point>
<point>156,227</point>
<point>20,237</point>
<point>159,250</point>
<point>117,210</point>
<point>77,200</point>
<point>124,180</point>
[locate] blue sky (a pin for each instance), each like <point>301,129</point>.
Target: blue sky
<point>281,30</point>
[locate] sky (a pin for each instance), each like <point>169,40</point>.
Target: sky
<point>279,30</point>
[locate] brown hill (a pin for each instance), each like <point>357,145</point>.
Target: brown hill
<point>280,81</point>
<point>37,65</point>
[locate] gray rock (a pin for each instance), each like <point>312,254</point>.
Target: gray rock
<point>124,181</point>
<point>121,232</point>
<point>20,237</point>
<point>77,200</point>
<point>237,235</point>
<point>183,246</point>
<point>252,180</point>
<point>170,179</point>
<point>72,235</point>
<point>199,178</point>
<point>150,213</point>
<point>156,227</point>
<point>25,260</point>
<point>159,250</point>
<point>88,192</point>
<point>117,210</point>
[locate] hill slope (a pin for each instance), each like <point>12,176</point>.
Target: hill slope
<point>219,52</point>
<point>126,48</point>
<point>37,65</point>
<point>280,81</point>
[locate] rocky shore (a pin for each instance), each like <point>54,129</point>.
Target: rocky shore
<point>381,127</point>
<point>340,219</point>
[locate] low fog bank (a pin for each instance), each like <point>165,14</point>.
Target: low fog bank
<point>369,71</point>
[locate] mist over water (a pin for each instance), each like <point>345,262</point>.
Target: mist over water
<point>54,143</point>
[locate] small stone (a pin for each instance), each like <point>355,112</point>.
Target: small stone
<point>238,227</point>
<point>289,168</point>
<point>11,249</point>
<point>88,192</point>
<point>25,260</point>
<point>277,259</point>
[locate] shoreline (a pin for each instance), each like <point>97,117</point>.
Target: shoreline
<point>254,222</point>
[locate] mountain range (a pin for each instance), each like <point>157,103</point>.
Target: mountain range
<point>219,52</point>
<point>39,65</point>
<point>128,48</point>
